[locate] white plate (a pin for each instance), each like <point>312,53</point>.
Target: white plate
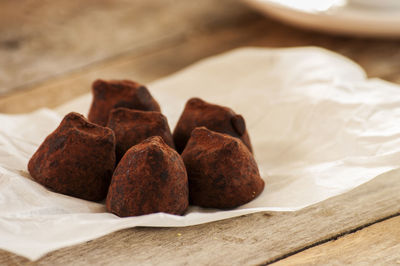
<point>335,16</point>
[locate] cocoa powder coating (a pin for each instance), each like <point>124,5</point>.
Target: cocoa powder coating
<point>108,95</point>
<point>132,127</point>
<point>77,159</point>
<point>221,170</point>
<point>217,118</point>
<point>151,177</point>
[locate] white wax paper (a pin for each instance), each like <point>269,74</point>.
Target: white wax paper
<point>318,127</point>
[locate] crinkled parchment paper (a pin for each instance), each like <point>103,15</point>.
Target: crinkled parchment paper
<point>319,128</point>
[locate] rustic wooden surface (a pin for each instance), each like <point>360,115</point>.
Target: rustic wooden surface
<point>50,52</point>
<point>378,244</point>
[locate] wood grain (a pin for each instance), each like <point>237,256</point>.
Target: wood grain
<point>248,240</point>
<point>378,244</point>
<point>143,67</point>
<point>43,39</point>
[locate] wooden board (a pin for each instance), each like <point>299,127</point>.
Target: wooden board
<point>43,39</point>
<point>51,52</point>
<point>142,67</point>
<point>378,244</point>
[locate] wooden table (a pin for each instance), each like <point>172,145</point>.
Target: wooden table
<point>50,52</point>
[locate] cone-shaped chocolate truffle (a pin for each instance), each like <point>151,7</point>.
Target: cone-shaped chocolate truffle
<point>77,159</point>
<point>108,95</point>
<point>221,170</point>
<point>198,113</point>
<point>132,127</point>
<point>150,177</point>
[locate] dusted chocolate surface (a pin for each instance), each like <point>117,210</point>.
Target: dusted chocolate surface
<point>132,127</point>
<point>77,159</point>
<point>108,95</point>
<point>221,170</point>
<point>151,177</point>
<point>217,118</point>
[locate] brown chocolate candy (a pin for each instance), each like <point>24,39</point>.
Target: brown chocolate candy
<point>77,159</point>
<point>151,177</point>
<point>108,95</point>
<point>132,127</point>
<point>221,170</point>
<point>198,113</point>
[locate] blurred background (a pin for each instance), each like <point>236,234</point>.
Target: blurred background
<point>51,51</point>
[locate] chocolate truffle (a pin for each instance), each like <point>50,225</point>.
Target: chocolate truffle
<point>221,170</point>
<point>77,159</point>
<point>217,118</point>
<point>132,127</point>
<point>151,177</point>
<point>108,95</point>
